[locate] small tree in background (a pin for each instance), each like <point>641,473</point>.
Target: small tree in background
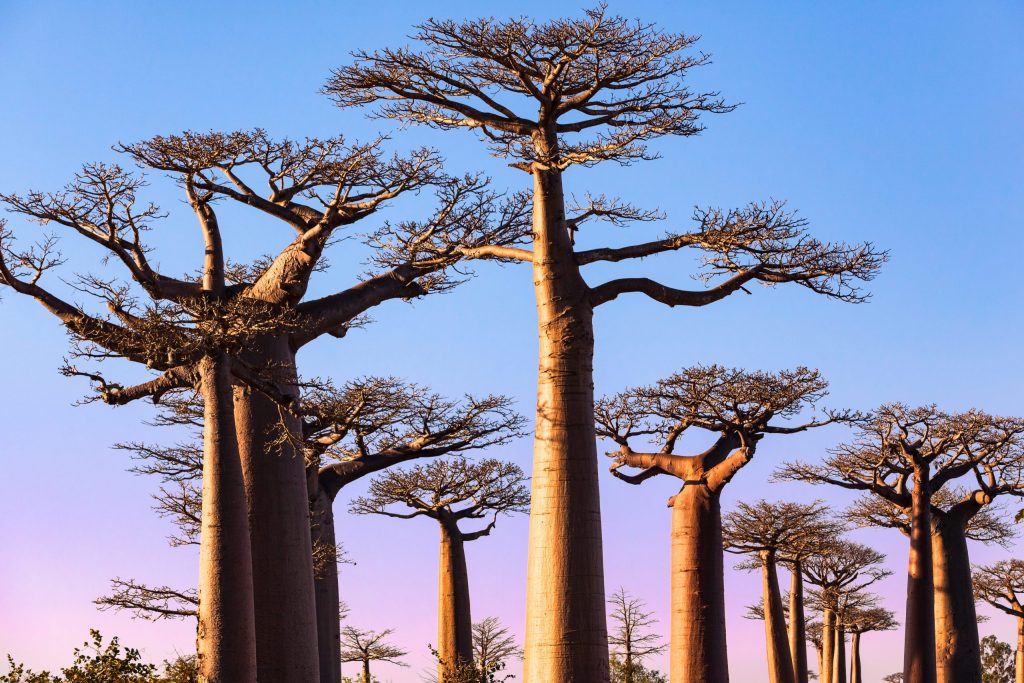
<point>630,638</point>
<point>863,620</point>
<point>366,647</point>
<point>1001,585</point>
<point>996,661</point>
<point>450,492</point>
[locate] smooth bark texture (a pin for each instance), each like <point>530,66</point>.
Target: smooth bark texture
<point>325,584</point>
<point>225,635</point>
<point>697,637</point>
<point>958,651</point>
<point>828,646</point>
<point>1019,658</point>
<point>454,618</point>
<point>780,661</point>
<point>566,631</point>
<point>839,669</point>
<point>797,624</point>
<point>276,490</point>
<point>855,669</point>
<point>919,633</point>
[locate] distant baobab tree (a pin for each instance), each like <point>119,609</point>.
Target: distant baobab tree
<point>841,568</point>
<point>631,639</point>
<point>957,515</point>
<point>858,622</point>
<point>367,647</point>
<point>739,407</point>
<point>450,492</point>
<point>843,605</point>
<point>905,455</point>
<point>243,324</point>
<point>548,97</point>
<point>1001,585</point>
<point>770,533</point>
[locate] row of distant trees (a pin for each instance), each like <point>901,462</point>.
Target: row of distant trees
<point>221,345</point>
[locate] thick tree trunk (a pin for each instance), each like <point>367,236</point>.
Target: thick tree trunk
<point>566,633</point>
<point>366,671</point>
<point>958,652</point>
<point>1019,660</point>
<point>797,624</point>
<point>919,642</point>
<point>325,583</point>
<point>828,646</point>
<point>454,619</point>
<point>817,651</point>
<point>839,672</point>
<point>276,490</point>
<point>226,637</point>
<point>855,671</point>
<point>697,649</point>
<point>780,661</point>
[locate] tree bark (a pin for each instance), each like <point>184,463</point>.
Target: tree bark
<point>276,491</point>
<point>325,583</point>
<point>1019,659</point>
<point>919,643</point>
<point>958,651</point>
<point>366,671</point>
<point>855,671</point>
<point>828,646</point>
<point>566,632</point>
<point>797,624</point>
<point>780,661</point>
<point>454,618</point>
<point>697,643</point>
<point>839,673</point>
<point>226,637</point>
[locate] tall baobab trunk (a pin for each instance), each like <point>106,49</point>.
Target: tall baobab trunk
<point>697,647</point>
<point>325,583</point>
<point>855,671</point>
<point>566,632</point>
<point>839,672</point>
<point>366,671</point>
<point>226,637</point>
<point>454,619</point>
<point>919,643</point>
<point>828,646</point>
<point>780,662</point>
<point>797,624</point>
<point>958,652</point>
<point>1019,659</point>
<point>282,558</point>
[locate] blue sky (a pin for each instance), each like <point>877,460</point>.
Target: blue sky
<point>898,124</point>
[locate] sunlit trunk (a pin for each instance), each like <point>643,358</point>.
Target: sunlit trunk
<point>839,672</point>
<point>1019,659</point>
<point>566,633</point>
<point>325,582</point>
<point>855,671</point>
<point>226,640</point>
<point>919,636</point>
<point>454,620</point>
<point>958,650</point>
<point>697,634</point>
<point>780,662</point>
<point>797,624</point>
<point>828,646</point>
<point>275,482</point>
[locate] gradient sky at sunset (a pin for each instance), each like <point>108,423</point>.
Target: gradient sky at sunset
<point>898,124</point>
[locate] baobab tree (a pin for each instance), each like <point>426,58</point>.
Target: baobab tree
<point>842,568</point>
<point>367,426</point>
<point>739,407</point>
<point>905,455</point>
<point>859,621</point>
<point>843,605</point>
<point>366,647</point>
<point>548,97</point>
<point>630,638</point>
<point>770,532</point>
<point>449,492</point>
<point>958,515</point>
<point>316,187</point>
<point>1001,585</point>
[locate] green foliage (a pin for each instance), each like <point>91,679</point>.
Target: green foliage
<point>997,665</point>
<point>634,673</point>
<point>95,662</point>
<point>473,672</point>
